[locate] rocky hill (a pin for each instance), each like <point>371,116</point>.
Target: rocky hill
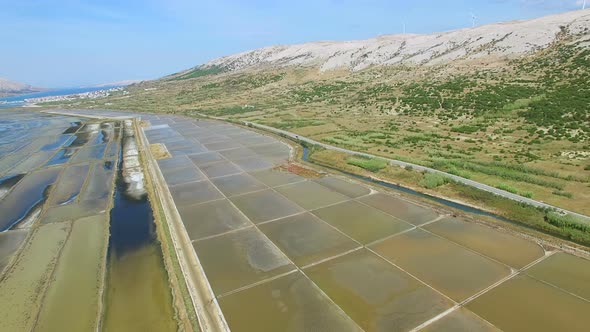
<point>510,39</point>
<point>10,88</point>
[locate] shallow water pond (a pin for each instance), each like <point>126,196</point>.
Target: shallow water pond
<point>205,158</point>
<point>311,195</point>
<point>62,156</point>
<point>33,162</point>
<point>237,184</point>
<point>194,192</point>
<point>25,196</point>
<point>183,175</point>
<point>100,182</point>
<point>565,271</point>
<point>461,320</point>
<point>10,242</point>
<point>238,259</point>
<point>377,295</point>
<point>525,304</point>
<point>508,249</point>
<point>74,210</point>
<point>265,205</point>
<point>291,304</point>
<point>212,218</point>
<point>70,185</point>
<point>21,289</point>
<point>220,168</point>
<point>307,239</point>
<point>344,187</point>
<point>447,267</point>
<point>399,208</point>
<point>8,182</point>
<point>73,297</point>
<point>276,177</point>
<point>361,222</point>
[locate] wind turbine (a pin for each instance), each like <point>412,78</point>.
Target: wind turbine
<point>474,18</point>
<point>584,5</point>
<point>404,24</point>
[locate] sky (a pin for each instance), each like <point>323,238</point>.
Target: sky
<point>66,43</point>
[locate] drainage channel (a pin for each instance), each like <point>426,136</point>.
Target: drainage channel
<point>138,295</point>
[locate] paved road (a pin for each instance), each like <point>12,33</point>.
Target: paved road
<point>456,178</point>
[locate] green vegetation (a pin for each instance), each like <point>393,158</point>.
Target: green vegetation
<point>507,188</point>
<point>499,171</point>
<point>563,193</point>
<point>513,190</point>
<point>571,227</point>
<point>467,129</point>
<point>294,123</point>
<point>198,72</point>
<point>370,164</point>
<point>434,180</point>
<point>229,111</point>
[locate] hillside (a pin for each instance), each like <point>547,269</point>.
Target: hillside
<point>516,118</point>
<point>511,39</point>
<point>10,88</point>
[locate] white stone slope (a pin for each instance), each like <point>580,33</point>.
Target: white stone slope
<point>510,39</point>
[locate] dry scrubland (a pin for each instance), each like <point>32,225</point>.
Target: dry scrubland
<point>521,125</point>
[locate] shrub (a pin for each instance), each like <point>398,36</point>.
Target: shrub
<point>507,188</point>
<point>563,193</point>
<point>566,221</point>
<point>467,129</point>
<point>370,164</point>
<point>433,180</point>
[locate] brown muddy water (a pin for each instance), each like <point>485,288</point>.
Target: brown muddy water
<point>454,271</point>
<point>307,239</point>
<point>290,304</point>
<point>461,320</point>
<point>375,294</point>
<point>10,242</point>
<point>238,259</point>
<point>506,248</point>
<point>565,271</point>
<point>361,222</point>
<point>526,304</point>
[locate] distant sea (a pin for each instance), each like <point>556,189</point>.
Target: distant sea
<point>17,101</point>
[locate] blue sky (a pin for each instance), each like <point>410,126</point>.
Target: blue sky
<point>53,43</point>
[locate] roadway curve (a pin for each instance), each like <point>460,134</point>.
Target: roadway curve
<point>456,178</point>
